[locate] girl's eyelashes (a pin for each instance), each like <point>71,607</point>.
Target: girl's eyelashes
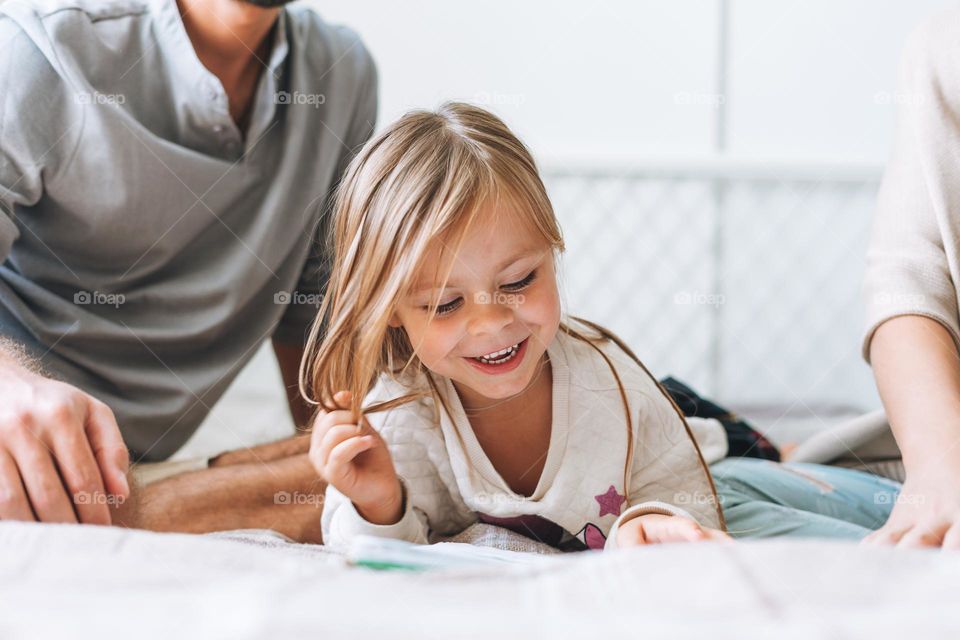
<point>521,284</point>
<point>449,307</point>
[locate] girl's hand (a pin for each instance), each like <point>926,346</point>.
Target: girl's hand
<point>355,460</point>
<point>926,514</point>
<point>655,528</point>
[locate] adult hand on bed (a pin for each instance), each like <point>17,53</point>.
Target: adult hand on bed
<point>655,528</point>
<point>351,456</point>
<point>62,458</point>
<point>926,513</point>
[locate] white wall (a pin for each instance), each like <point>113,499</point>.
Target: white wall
<point>816,78</point>
<point>570,77</point>
<point>626,77</point>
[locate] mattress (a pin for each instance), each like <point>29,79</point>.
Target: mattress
<point>87,581</point>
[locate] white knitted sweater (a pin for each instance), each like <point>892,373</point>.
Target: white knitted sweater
<point>913,262</point>
<point>450,483</point>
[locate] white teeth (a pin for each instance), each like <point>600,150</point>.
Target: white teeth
<point>499,357</point>
<point>502,352</point>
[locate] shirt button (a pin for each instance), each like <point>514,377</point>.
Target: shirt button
<point>218,128</point>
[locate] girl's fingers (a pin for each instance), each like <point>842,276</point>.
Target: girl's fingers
<point>661,528</point>
<point>326,422</point>
<point>715,535</point>
<point>341,401</point>
<point>687,530</point>
<point>639,534</point>
<point>343,454</point>
<point>320,454</point>
<point>342,398</point>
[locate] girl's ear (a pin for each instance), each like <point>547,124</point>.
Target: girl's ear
<point>394,321</point>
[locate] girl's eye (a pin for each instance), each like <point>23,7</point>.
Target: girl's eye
<point>447,307</point>
<point>453,305</point>
<point>521,284</point>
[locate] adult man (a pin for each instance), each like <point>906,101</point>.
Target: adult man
<point>165,171</point>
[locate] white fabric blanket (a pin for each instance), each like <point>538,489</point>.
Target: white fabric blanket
<point>82,581</point>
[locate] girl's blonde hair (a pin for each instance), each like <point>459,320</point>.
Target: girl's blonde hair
<point>426,178</point>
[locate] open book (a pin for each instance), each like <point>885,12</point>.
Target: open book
<point>387,553</point>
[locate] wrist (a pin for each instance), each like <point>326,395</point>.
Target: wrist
<point>944,473</point>
<point>386,511</point>
<point>14,359</point>
<point>933,459</point>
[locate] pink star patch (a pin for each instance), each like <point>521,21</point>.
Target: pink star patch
<point>610,502</point>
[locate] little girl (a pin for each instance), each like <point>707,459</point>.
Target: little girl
<point>482,402</point>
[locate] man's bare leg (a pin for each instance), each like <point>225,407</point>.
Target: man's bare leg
<point>271,486</point>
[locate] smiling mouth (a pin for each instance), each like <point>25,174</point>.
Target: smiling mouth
<point>501,356</point>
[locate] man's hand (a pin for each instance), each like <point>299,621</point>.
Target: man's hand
<point>926,514</point>
<point>62,458</point>
<point>655,528</point>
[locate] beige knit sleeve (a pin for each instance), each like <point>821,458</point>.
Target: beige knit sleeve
<point>668,475</point>
<point>912,258</point>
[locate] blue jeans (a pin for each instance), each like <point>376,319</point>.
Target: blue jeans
<point>761,499</point>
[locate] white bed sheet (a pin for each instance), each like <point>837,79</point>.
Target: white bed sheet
<point>82,581</point>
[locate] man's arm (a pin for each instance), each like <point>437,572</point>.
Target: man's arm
<point>289,357</point>
<point>61,453</point>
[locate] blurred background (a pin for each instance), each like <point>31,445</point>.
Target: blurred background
<point>714,164</point>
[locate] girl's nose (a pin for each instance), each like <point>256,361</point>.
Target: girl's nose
<point>488,315</point>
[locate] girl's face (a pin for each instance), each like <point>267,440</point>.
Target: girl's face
<point>501,296</point>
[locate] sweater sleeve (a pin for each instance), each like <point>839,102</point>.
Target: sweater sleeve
<point>41,124</point>
<point>668,475</point>
<point>912,256</point>
<point>341,522</point>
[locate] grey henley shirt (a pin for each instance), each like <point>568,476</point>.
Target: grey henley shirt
<point>148,245</point>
